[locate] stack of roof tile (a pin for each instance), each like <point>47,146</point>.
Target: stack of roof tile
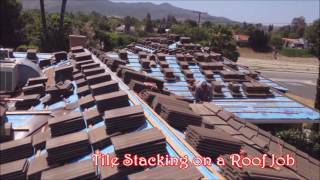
<point>63,73</point>
<point>104,87</point>
<point>176,112</point>
<point>77,49</point>
<point>82,56</point>
<point>212,143</point>
<point>69,123</point>
<point>17,149</point>
<point>235,89</point>
<point>254,89</point>
<point>93,71</point>
<point>27,101</point>
<point>68,147</point>
<point>123,55</point>
<point>145,64</point>
<point>37,80</point>
<point>86,102</point>
<point>112,100</point>
<point>98,78</point>
<point>14,170</point>
<point>36,166</point>
<point>161,56</point>
<point>79,170</point>
<point>232,172</point>
<point>168,173</point>
<point>146,143</point>
<point>169,74</point>
<point>131,116</point>
<point>33,89</point>
<point>233,76</point>
<point>92,116</point>
<point>163,64</point>
<point>79,64</point>
<point>89,66</point>
<point>39,140</point>
<point>217,88</point>
<point>99,137</point>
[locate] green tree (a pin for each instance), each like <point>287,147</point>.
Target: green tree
<point>312,35</point>
<point>10,23</point>
<point>298,25</point>
<point>259,40</point>
<point>128,22</point>
<point>276,41</point>
<point>191,23</point>
<point>148,24</point>
<point>222,42</point>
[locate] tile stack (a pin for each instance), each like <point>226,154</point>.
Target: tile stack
<point>132,116</point>
<point>37,80</point>
<point>33,89</point>
<point>27,101</point>
<point>17,149</point>
<point>14,170</point>
<point>176,112</point>
<point>37,165</point>
<point>79,170</point>
<point>68,123</point>
<point>169,74</point>
<point>86,102</point>
<point>255,89</point>
<point>235,89</point>
<point>188,75</point>
<point>144,143</point>
<point>68,147</point>
<point>230,171</point>
<point>217,88</point>
<point>211,142</point>
<point>99,138</point>
<point>233,76</point>
<point>39,140</point>
<point>104,87</point>
<point>92,116</point>
<point>112,100</point>
<point>168,173</point>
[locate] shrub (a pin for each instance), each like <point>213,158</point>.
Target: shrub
<point>295,52</point>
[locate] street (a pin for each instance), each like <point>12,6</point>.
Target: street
<point>298,76</point>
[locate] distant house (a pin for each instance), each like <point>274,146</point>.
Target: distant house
<point>122,28</point>
<point>241,39</point>
<point>294,43</point>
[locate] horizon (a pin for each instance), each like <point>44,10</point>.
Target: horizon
<point>270,11</point>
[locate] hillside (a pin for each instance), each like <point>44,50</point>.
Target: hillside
<point>122,9</point>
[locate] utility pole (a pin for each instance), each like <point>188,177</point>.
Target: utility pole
<point>199,18</point>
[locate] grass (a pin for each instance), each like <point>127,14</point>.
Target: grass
<point>295,52</point>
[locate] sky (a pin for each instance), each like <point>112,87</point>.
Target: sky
<point>278,12</point>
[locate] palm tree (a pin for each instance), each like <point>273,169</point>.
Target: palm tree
<point>63,10</point>
<point>317,103</point>
<point>43,19</point>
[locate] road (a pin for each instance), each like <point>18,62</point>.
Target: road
<point>301,84</point>
<point>298,76</point>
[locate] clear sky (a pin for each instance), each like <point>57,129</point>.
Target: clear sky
<point>276,12</point>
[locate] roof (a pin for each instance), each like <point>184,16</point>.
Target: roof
<point>276,108</point>
<point>241,37</point>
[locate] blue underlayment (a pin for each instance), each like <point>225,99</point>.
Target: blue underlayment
<point>278,107</point>
<point>167,132</point>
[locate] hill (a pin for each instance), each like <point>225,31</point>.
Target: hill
<point>122,9</point>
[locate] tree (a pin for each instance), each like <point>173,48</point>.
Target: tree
<point>43,22</point>
<point>312,35</point>
<point>128,22</point>
<point>10,23</point>
<point>191,23</point>
<point>298,25</point>
<point>222,42</point>
<point>63,10</point>
<point>148,24</point>
<point>259,40</point>
<point>276,41</point>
